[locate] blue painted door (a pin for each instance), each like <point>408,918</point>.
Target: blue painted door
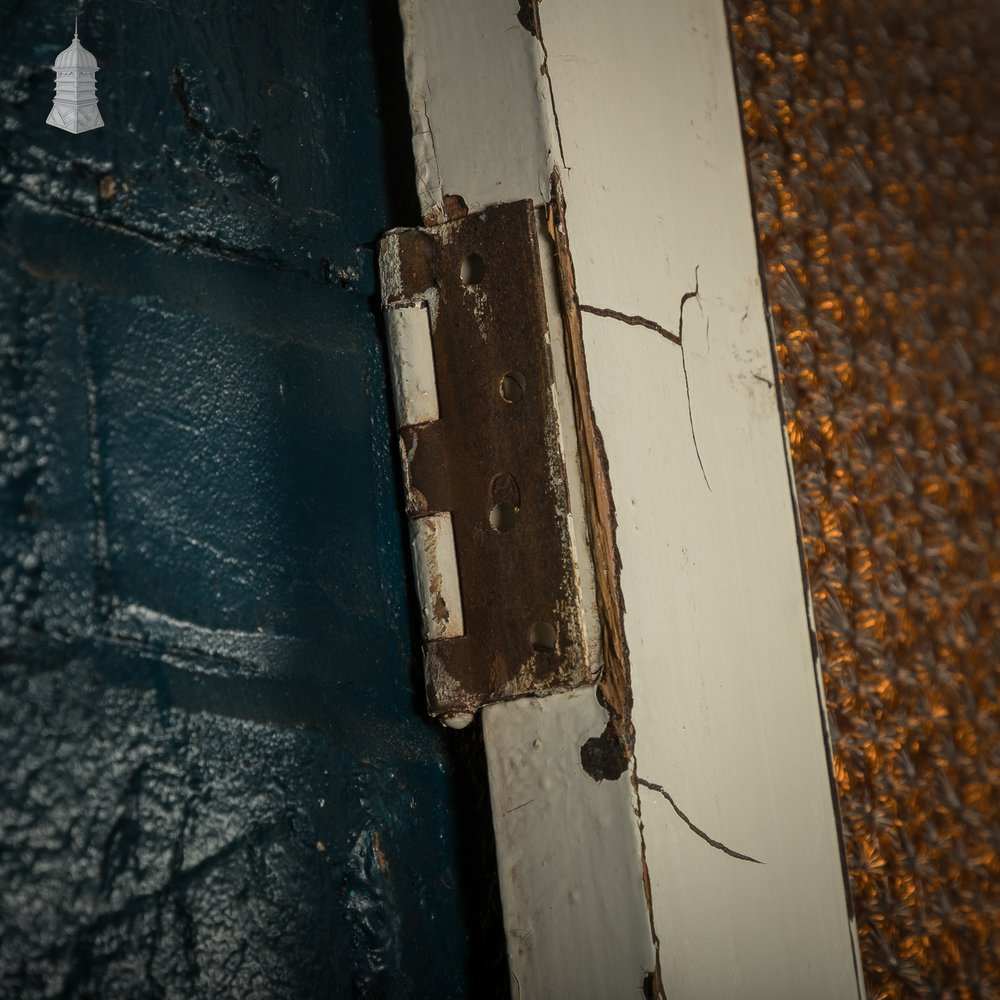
<point>218,777</point>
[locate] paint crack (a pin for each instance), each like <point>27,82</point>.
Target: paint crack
<point>527,15</point>
<point>636,320</point>
<point>653,786</point>
<point>674,338</point>
<point>436,195</point>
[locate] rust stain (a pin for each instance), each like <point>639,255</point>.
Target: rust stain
<point>614,688</point>
<point>492,460</point>
<point>380,859</point>
<point>417,254</point>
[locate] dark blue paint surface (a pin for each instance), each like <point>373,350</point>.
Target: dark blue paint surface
<point>219,780</point>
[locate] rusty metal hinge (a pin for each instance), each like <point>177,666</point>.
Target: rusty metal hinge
<point>483,465</point>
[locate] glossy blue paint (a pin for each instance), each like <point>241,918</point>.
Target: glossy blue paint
<point>222,781</point>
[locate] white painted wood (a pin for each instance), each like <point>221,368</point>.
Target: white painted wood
<point>727,696</point>
<point>730,757</point>
<point>568,853</point>
<point>480,127</point>
<point>570,863</point>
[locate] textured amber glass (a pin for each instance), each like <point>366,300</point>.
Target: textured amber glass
<point>873,134</point>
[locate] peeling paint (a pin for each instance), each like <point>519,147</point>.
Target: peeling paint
<point>435,572</point>
<point>603,757</point>
<point>614,689</point>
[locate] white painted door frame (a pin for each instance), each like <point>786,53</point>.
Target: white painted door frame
<point>711,866</point>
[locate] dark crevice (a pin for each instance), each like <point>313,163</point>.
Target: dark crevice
<point>179,92</point>
<point>386,40</point>
<point>240,144</point>
<point>636,320</point>
<point>100,545</point>
<point>177,241</point>
<point>479,883</point>
<point>687,384</point>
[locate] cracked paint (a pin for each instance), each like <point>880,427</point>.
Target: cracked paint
<point>697,830</point>
<point>675,338</point>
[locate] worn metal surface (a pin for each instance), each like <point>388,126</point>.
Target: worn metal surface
<point>873,132</point>
<point>493,460</point>
<point>217,780</point>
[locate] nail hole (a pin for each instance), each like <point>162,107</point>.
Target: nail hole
<point>512,387</point>
<point>542,636</point>
<point>502,517</point>
<point>473,269</point>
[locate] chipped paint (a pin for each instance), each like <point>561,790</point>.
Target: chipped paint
<point>614,688</point>
<point>435,571</point>
<point>411,365</point>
